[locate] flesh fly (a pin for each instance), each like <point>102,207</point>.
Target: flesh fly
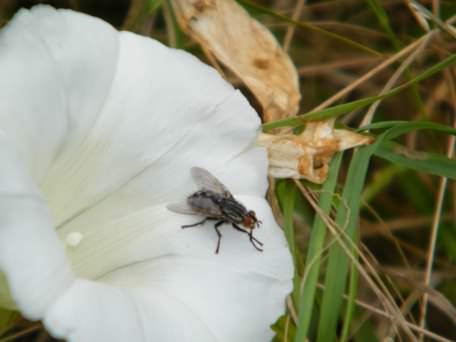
<point>215,202</point>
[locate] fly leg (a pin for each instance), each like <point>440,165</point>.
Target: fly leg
<point>194,224</point>
<point>198,223</point>
<point>251,237</point>
<point>218,234</point>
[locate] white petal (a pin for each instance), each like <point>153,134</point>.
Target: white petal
<point>234,306</point>
<point>92,311</point>
<point>120,240</point>
<point>31,255</point>
<point>245,174</point>
<point>165,113</point>
<point>149,249</point>
<point>132,105</point>
<point>122,139</point>
<point>49,101</point>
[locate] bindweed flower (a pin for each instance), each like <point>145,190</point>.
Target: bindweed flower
<point>98,132</point>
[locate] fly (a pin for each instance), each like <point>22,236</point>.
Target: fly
<point>215,202</point>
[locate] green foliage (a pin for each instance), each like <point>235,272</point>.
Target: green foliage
<point>358,104</point>
<point>315,251</point>
<point>383,19</point>
<point>152,5</point>
<point>7,318</point>
<point>338,261</point>
<point>448,241</point>
<point>287,194</point>
<point>325,315</point>
<point>348,208</point>
<point>285,330</point>
<point>255,8</point>
<point>366,333</point>
<point>432,163</point>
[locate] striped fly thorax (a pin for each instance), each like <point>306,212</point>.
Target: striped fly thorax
<point>234,211</point>
<point>216,205</point>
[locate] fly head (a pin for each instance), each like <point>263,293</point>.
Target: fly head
<point>250,220</point>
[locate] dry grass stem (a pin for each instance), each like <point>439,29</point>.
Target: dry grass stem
<point>170,29</point>
<point>437,217</point>
<point>403,223</point>
<point>366,269</point>
<point>292,28</point>
<point>291,308</point>
<point>316,69</point>
<point>384,314</point>
<point>22,333</point>
<point>400,54</point>
<point>393,80</point>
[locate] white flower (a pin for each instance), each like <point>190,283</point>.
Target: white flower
<point>98,132</point>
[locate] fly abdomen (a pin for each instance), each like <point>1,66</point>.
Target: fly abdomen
<point>206,203</point>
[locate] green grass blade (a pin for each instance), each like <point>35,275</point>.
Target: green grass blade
<point>358,104</point>
<point>7,318</point>
<point>284,328</point>
<point>286,194</point>
<point>432,163</point>
<point>152,5</point>
<point>314,252</point>
<point>383,19</point>
<point>398,128</point>
<point>178,34</point>
<point>381,179</point>
<point>366,332</point>
<point>384,125</point>
<point>351,303</point>
<point>338,261</point>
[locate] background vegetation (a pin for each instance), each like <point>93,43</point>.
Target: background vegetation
<point>375,245</point>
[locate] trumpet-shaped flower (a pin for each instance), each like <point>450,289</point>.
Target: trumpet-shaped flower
<point>98,132</point>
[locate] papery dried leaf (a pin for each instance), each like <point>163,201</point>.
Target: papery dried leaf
<point>308,155</point>
<point>246,47</point>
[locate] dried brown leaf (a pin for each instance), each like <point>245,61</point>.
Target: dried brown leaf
<point>308,155</point>
<point>246,47</point>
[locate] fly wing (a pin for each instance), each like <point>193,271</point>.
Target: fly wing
<point>181,208</point>
<point>206,181</point>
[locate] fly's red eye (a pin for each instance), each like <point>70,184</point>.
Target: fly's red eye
<point>248,222</point>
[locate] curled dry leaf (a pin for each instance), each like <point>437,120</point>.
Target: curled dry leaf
<point>224,29</point>
<point>308,155</point>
